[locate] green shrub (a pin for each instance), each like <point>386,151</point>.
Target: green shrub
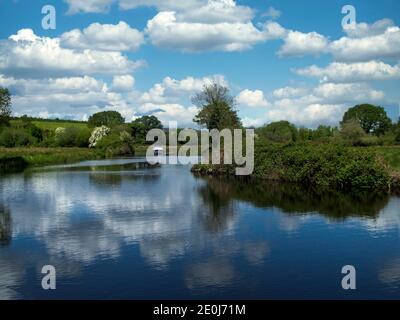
<point>13,137</point>
<point>352,132</point>
<point>370,141</point>
<point>82,139</point>
<point>281,132</point>
<point>72,137</point>
<point>116,144</point>
<point>325,166</point>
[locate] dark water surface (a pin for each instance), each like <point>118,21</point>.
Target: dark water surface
<point>123,229</point>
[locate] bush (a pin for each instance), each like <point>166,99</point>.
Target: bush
<point>325,166</point>
<point>82,139</point>
<point>352,132</point>
<point>72,137</point>
<point>117,144</point>
<point>97,135</point>
<point>13,137</point>
<point>281,132</point>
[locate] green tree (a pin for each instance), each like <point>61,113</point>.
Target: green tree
<point>322,132</point>
<point>305,134</point>
<point>106,118</point>
<point>281,131</point>
<point>217,108</point>
<point>5,105</point>
<point>373,119</point>
<point>142,125</point>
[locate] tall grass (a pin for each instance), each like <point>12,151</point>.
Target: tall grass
<point>47,156</point>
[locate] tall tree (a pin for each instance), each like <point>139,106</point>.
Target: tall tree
<point>281,131</point>
<point>217,108</point>
<point>142,125</point>
<point>106,118</point>
<point>373,119</point>
<point>5,105</point>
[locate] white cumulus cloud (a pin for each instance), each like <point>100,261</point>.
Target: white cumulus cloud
<point>107,37</point>
<point>252,99</point>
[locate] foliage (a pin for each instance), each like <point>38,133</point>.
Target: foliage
<point>373,119</point>
<point>15,137</point>
<point>72,137</point>
<point>82,138</point>
<point>352,132</point>
<point>116,144</point>
<point>47,156</point>
<point>328,166</point>
<point>106,118</point>
<point>281,131</point>
<point>5,106</point>
<point>216,108</point>
<point>141,126</point>
<point>98,134</point>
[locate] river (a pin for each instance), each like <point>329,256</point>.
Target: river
<point>121,229</point>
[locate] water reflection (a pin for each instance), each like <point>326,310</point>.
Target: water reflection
<point>5,225</point>
<point>295,199</point>
<point>201,236</point>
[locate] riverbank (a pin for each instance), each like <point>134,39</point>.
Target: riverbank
<point>327,166</point>
<point>17,159</point>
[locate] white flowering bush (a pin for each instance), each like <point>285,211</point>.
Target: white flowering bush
<point>98,134</point>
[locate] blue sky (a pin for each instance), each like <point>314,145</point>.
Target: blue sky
<point>283,60</point>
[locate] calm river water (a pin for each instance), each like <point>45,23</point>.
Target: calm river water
<point>122,229</point>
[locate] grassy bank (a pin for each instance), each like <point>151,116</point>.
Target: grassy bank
<point>17,159</point>
<point>46,156</point>
<point>327,166</point>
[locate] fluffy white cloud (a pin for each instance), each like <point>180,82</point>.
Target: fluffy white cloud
<point>171,89</point>
<point>166,31</point>
<point>346,92</point>
<point>299,44</point>
<point>107,37</point>
<point>188,10</point>
<point>59,85</point>
<point>362,30</point>
<point>123,83</point>
<point>301,113</point>
<point>364,42</point>
<point>27,55</point>
<point>252,99</point>
<point>370,47</point>
<point>324,104</point>
<point>171,112</point>
<point>251,122</point>
<point>351,72</point>
<point>216,11</point>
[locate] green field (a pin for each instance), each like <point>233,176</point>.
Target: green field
<point>53,125</point>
